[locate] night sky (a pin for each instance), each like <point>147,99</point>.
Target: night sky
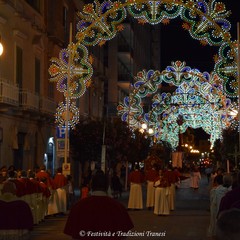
<point>177,44</point>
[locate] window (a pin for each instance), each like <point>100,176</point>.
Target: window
<point>65,23</point>
<point>35,4</point>
<point>51,90</point>
<point>37,75</point>
<point>19,66</point>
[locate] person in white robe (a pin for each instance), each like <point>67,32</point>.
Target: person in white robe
<point>161,203</point>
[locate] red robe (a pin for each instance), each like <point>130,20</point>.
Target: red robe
<point>97,214</point>
<point>151,175</point>
<point>171,176</point>
<point>59,181</point>
<point>42,174</point>
<point>28,185</point>
<point>45,190</point>
<point>36,184</point>
<point>136,177</point>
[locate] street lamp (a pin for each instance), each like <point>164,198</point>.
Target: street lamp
<point>1,47</point>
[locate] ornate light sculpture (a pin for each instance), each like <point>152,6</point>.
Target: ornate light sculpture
<point>198,98</point>
<point>99,22</point>
<point>205,20</point>
<point>80,71</point>
<point>61,114</point>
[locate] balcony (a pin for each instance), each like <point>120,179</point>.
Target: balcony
<point>29,101</point>
<point>47,106</point>
<point>9,93</point>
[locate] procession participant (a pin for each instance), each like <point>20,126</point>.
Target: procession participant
<point>98,213</point>
<point>43,174</point>
<point>20,189</point>
<point>172,178</point>
<point>196,176</point>
<point>3,174</point>
<point>60,183</point>
<point>28,185</point>
<point>151,176</point>
<point>3,177</point>
<point>46,194</point>
<point>37,197</point>
<point>28,191</point>
<point>161,204</point>
<point>136,178</point>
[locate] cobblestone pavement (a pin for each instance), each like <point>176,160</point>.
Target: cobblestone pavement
<point>188,221</point>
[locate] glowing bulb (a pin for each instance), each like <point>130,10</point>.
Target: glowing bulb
<point>1,48</point>
<point>150,131</point>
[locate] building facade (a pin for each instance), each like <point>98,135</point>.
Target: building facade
<point>34,31</point>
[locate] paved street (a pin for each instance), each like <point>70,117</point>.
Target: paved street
<point>189,220</point>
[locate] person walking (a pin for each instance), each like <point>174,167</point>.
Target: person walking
<point>161,203</point>
<point>172,178</point>
<point>196,176</point>
<point>136,178</point>
<point>151,176</point>
<point>60,184</point>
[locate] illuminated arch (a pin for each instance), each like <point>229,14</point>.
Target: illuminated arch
<point>205,20</point>
<point>198,99</point>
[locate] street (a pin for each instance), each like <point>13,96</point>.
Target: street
<point>188,221</point>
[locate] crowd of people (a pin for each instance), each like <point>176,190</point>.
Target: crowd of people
<point>224,197</point>
<point>45,195</point>
<point>161,187</point>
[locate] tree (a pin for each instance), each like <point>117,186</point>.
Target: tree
<point>225,148</point>
<point>122,143</point>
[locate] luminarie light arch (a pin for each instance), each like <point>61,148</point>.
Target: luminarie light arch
<point>198,99</point>
<point>205,20</point>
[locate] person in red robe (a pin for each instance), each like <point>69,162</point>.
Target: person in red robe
<point>35,182</point>
<point>172,178</point>
<point>98,214</point>
<point>151,176</point>
<point>136,178</point>
<point>59,180</point>
<point>60,184</point>
<point>28,185</point>
<point>20,189</point>
<point>46,194</point>
<point>161,203</point>
<point>43,174</point>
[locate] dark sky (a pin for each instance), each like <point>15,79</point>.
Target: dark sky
<point>177,44</point>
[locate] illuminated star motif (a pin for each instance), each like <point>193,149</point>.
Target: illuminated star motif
<point>64,115</point>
